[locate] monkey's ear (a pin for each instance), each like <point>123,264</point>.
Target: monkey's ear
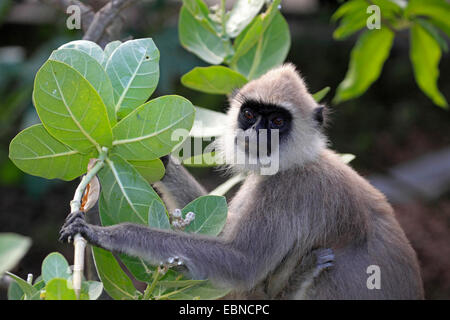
<point>319,115</point>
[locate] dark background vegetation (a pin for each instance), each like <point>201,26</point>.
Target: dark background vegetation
<point>391,124</point>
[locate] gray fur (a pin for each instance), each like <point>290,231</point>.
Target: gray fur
<point>276,223</point>
<point>178,187</point>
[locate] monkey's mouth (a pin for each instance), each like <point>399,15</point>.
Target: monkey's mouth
<point>253,148</point>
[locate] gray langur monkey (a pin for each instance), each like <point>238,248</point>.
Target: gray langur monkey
<point>278,223</point>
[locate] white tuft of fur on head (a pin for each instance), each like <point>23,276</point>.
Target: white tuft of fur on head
<point>284,87</point>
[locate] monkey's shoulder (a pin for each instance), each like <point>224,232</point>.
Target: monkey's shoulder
<point>329,173</point>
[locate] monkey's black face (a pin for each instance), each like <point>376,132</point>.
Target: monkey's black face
<point>264,118</point>
<point>257,115</point>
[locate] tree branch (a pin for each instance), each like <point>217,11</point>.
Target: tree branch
<point>96,24</point>
<point>105,17</point>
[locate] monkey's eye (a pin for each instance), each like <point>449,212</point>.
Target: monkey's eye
<point>248,115</point>
<point>277,123</point>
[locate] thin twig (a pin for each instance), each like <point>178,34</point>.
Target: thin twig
<point>151,287</point>
<point>104,18</point>
<point>80,243</point>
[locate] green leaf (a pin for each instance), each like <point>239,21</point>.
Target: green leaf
<point>214,79</point>
<point>15,292</point>
<point>27,288</point>
<point>210,215</point>
<point>128,196</point>
<point>437,10</point>
<point>319,95</point>
<point>347,157</point>
<point>12,248</point>
<point>70,108</point>
<point>89,47</point>
<point>140,269</point>
<point>93,72</point>
<point>36,152</point>
<point>434,32</point>
<point>202,291</point>
<point>208,123</point>
<point>351,23</point>
<point>425,55</point>
<point>366,62</point>
<point>175,286</point>
<point>241,15</point>
<point>55,266</point>
<point>269,51</point>
<point>179,283</point>
<point>390,8</point>
<point>38,285</point>
<point>93,289</point>
<point>199,37</point>
<point>134,72</point>
<point>201,12</point>
<point>151,170</point>
<point>354,15</point>
<point>349,8</point>
<point>157,216</point>
<point>146,133</point>
<point>109,49</point>
<point>115,281</point>
<point>250,36</point>
<point>59,289</point>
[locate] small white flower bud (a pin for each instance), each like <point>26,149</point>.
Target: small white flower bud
<point>176,213</point>
<point>176,224</point>
<point>190,216</point>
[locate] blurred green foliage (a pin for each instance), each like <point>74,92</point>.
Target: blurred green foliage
<point>427,20</point>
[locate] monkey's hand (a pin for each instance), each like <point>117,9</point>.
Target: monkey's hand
<point>324,260</point>
<point>75,223</point>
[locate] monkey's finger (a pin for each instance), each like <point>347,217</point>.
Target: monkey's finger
<point>78,213</point>
<point>69,232</point>
<point>72,224</point>
<point>64,236</point>
<point>77,223</point>
<point>75,215</point>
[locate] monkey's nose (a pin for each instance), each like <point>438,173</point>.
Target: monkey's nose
<point>257,126</point>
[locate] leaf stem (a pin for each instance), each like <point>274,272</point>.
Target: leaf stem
<point>80,243</point>
<point>165,296</point>
<point>151,287</point>
<point>223,18</point>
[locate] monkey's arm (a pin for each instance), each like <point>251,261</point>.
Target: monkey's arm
<point>178,187</point>
<point>237,265</point>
